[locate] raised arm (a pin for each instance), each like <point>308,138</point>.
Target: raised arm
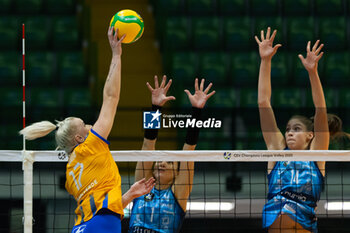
<point>184,180</point>
<point>321,131</point>
<point>111,90</point>
<point>159,98</point>
<point>273,137</point>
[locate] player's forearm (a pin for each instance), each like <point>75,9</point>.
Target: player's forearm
<point>113,82</point>
<point>321,120</point>
<point>321,128</point>
<point>184,180</point>
<point>127,198</point>
<point>189,147</point>
<point>264,84</point>
<point>317,90</point>
<point>149,144</point>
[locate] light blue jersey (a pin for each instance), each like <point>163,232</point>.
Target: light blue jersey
<point>157,211</point>
<point>294,189</point>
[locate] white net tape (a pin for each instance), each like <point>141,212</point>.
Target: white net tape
<point>204,155</point>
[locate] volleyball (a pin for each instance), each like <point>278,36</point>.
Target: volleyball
<point>129,23</point>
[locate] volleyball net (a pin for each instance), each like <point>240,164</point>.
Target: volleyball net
<point>229,188</point>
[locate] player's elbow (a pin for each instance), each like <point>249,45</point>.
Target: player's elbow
<point>264,102</point>
<point>111,98</point>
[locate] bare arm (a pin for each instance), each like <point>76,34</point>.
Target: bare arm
<point>321,131</point>
<point>159,98</point>
<point>144,169</point>
<point>273,137</point>
<point>183,183</point>
<point>184,180</point>
<point>321,137</point>
<point>111,90</point>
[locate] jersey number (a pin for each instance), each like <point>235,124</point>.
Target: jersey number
<point>77,183</point>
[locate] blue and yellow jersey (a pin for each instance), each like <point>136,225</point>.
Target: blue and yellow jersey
<point>93,179</point>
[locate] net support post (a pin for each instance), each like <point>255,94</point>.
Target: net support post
<point>28,160</point>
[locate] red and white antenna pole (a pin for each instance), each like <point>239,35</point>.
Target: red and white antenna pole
<point>28,159</point>
<point>24,83</point>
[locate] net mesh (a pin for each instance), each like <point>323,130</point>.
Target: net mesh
<point>228,194</point>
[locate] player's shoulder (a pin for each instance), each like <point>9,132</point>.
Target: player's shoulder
<point>96,137</point>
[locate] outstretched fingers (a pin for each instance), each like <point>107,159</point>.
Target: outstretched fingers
<point>268,36</point>
<point>162,84</point>
<point>262,36</point>
<point>188,93</point>
<point>156,84</point>
<point>149,86</point>
<point>319,49</point>
<point>268,33</point>
<point>276,47</point>
<point>257,40</point>
<point>308,46</point>
<point>301,57</point>
<point>211,94</point>
<point>319,56</point>
<point>196,88</point>
<point>166,88</point>
<point>169,98</point>
<point>208,88</point>
<point>315,46</point>
<point>272,38</point>
<point>202,85</point>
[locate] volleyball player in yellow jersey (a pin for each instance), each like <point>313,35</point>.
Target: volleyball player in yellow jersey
<point>164,208</point>
<point>92,175</point>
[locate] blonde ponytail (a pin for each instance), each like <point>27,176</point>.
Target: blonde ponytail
<point>64,135</point>
<point>38,130</point>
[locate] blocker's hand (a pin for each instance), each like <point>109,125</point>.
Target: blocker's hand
<point>159,92</point>
<point>200,97</point>
<point>312,56</point>
<point>266,50</point>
